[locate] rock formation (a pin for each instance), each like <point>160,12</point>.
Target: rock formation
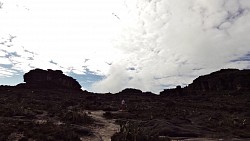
<point>223,80</point>
<point>39,78</point>
<point>175,92</point>
<point>135,92</point>
<point>130,91</point>
<point>232,80</point>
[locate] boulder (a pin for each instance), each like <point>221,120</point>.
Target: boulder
<point>154,130</point>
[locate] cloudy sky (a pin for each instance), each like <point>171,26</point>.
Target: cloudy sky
<point>114,44</point>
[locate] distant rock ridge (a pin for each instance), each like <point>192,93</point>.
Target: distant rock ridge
<point>133,91</point>
<point>232,80</point>
<point>130,91</point>
<point>51,79</point>
<point>225,79</point>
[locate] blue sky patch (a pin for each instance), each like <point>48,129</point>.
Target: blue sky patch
<point>87,79</point>
<point>13,80</point>
<point>243,58</point>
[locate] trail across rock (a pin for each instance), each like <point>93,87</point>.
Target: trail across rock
<point>104,128</point>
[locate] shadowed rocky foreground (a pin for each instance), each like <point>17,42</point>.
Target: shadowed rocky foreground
<point>51,106</point>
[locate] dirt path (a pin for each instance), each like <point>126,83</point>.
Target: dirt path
<point>105,127</point>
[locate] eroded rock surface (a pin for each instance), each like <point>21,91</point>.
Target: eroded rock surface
<point>225,80</point>
<point>39,78</point>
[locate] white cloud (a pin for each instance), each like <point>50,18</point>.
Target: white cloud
<point>63,31</point>
<point>174,41</point>
<point>146,44</point>
<point>6,72</point>
<point>116,81</point>
<point>2,54</point>
<point>5,61</point>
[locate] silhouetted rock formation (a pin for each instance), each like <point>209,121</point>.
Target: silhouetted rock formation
<point>175,92</point>
<point>225,79</point>
<point>130,91</point>
<point>135,92</point>
<point>232,80</point>
<point>51,79</point>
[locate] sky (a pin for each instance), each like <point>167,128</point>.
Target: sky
<point>111,45</point>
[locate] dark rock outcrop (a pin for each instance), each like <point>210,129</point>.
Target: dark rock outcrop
<point>154,130</point>
<point>232,80</point>
<point>50,79</point>
<point>178,91</point>
<point>130,91</point>
<point>225,79</point>
<point>135,92</point>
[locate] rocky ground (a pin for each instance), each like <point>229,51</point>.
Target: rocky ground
<point>37,114</point>
<point>206,116</point>
<point>50,106</point>
<point>106,129</point>
<point>42,115</point>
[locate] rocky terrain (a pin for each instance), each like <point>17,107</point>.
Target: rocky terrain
<point>214,106</point>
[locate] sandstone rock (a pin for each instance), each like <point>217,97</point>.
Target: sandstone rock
<point>39,78</point>
<point>173,92</point>
<point>154,130</point>
<point>130,91</point>
<point>225,79</point>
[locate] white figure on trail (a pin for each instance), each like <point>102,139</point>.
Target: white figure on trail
<point>123,102</point>
<point>123,105</point>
